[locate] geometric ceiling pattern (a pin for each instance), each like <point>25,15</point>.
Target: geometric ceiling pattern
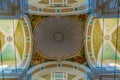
<point>8,54</point>
<point>58,37</point>
<point>15,43</point>
<point>6,28</point>
<point>101,35</point>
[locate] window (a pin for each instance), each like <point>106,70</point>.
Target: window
<point>58,76</point>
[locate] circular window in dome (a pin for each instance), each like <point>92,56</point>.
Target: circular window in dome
<point>58,37</point>
<point>102,36</point>
<point>15,44</point>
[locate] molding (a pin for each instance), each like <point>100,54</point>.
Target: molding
<point>34,7</point>
<point>59,66</point>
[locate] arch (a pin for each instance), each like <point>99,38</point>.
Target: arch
<point>100,42</point>
<point>70,71</point>
<point>16,45</point>
<point>44,7</point>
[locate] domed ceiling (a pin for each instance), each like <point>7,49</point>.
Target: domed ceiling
<point>44,39</point>
<point>58,37</point>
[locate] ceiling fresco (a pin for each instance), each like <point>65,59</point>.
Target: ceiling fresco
<point>61,39</point>
<point>15,43</point>
<point>100,43</point>
<point>38,58</point>
<point>2,39</point>
<point>101,37</point>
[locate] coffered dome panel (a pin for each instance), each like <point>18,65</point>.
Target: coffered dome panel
<point>58,37</point>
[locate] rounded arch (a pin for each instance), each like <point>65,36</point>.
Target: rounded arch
<point>44,7</point>
<point>16,45</point>
<point>59,70</point>
<point>100,42</point>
